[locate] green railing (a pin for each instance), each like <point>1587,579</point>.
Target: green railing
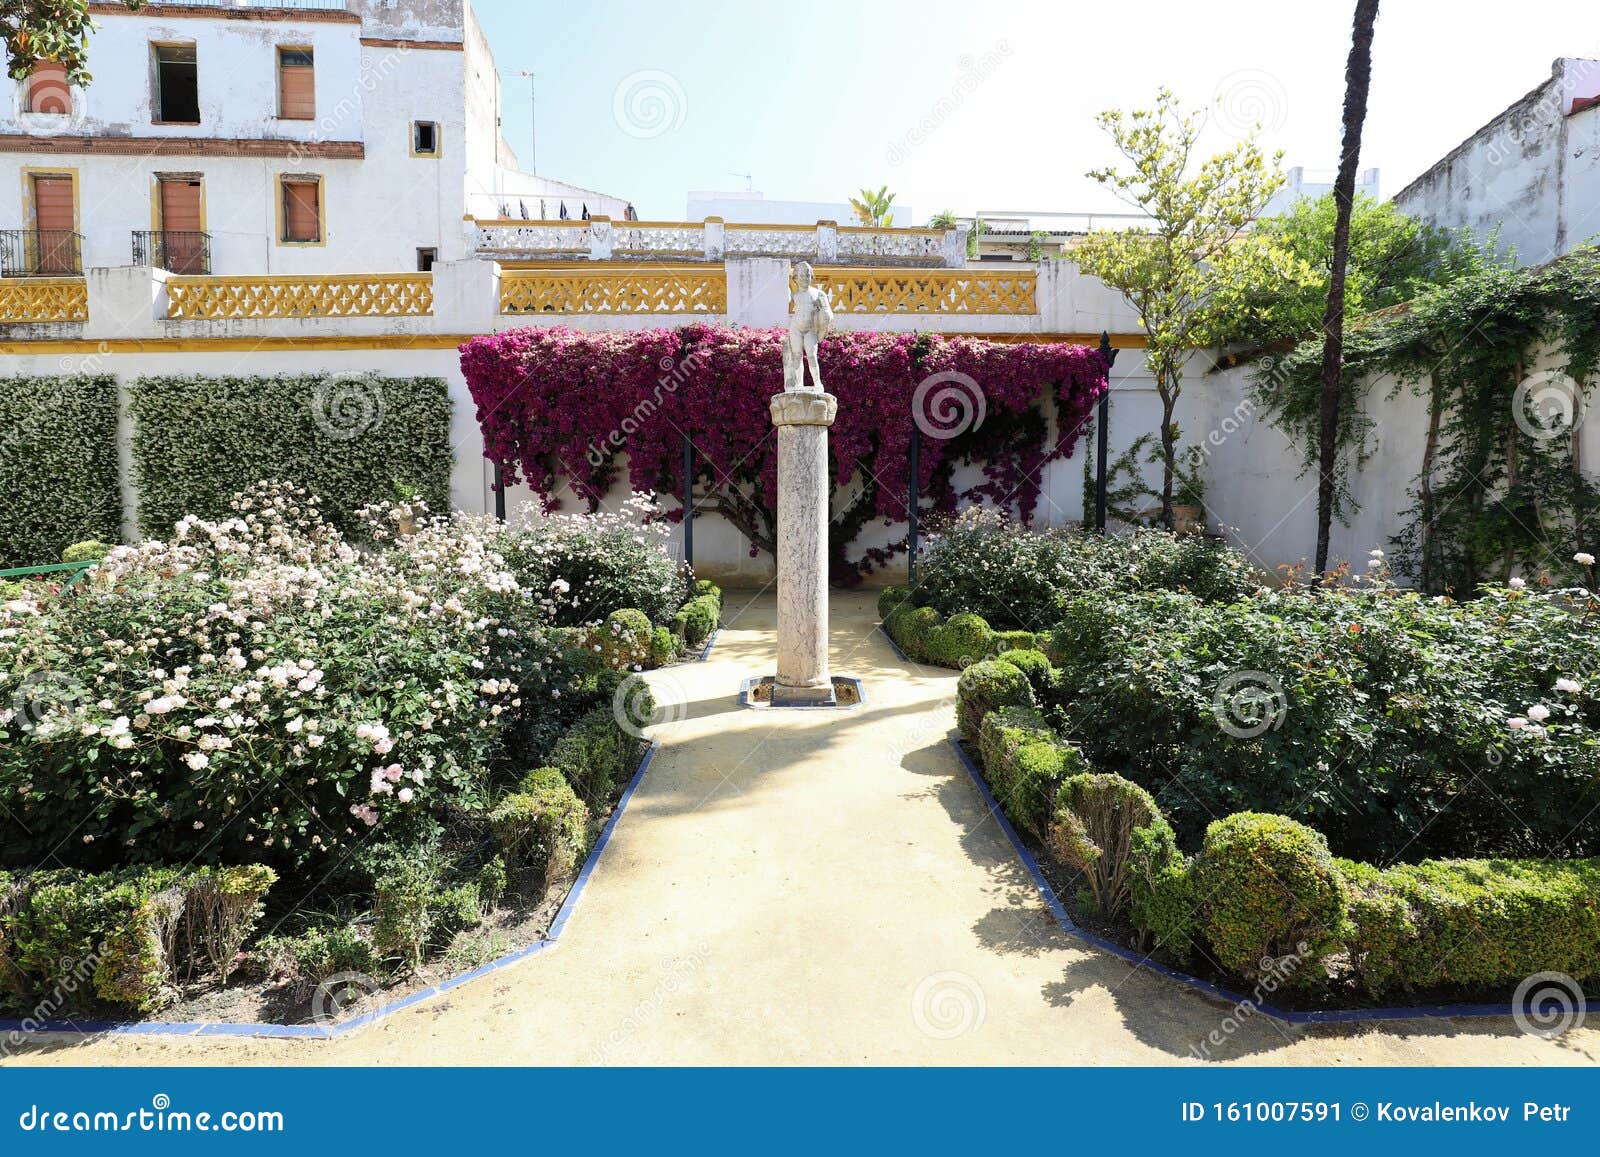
<point>82,568</point>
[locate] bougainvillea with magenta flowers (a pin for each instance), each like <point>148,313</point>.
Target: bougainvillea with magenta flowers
<point>559,407</point>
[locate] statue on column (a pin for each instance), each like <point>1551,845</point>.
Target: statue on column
<point>810,320</point>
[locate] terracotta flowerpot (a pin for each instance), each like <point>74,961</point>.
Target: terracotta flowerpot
<point>1189,519</point>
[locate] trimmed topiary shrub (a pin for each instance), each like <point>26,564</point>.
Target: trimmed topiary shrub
<point>351,438</point>
<point>89,550</point>
<point>1032,664</point>
<point>705,588</point>
<point>891,600</point>
<point>625,640</point>
<point>1024,764</point>
<point>985,687</point>
<point>542,829</point>
<point>1110,830</point>
<point>1014,641</point>
<point>1273,900</point>
<point>1162,901</point>
<point>595,754</point>
<point>911,630</point>
<point>663,647</point>
<point>696,619</point>
<point>58,466</point>
<point>1477,924</point>
<point>964,640</point>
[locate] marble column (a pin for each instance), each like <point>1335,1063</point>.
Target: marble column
<point>802,418</point>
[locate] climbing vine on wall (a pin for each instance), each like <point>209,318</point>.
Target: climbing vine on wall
<point>1506,361</point>
<point>559,407</point>
<point>351,439</point>
<point>58,466</point>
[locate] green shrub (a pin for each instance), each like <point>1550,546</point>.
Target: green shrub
<point>984,687</point>
<point>1015,641</point>
<point>348,437</point>
<point>542,830</point>
<point>1472,924</point>
<point>1381,719</point>
<point>1024,764</point>
<point>696,619</point>
<point>964,640</point>
<point>223,907</point>
<point>663,647</point>
<point>403,910</point>
<point>912,629</point>
<point>1033,665</point>
<point>58,465</point>
<point>705,588</point>
<point>453,909</point>
<point>1162,901</point>
<point>595,754</point>
<point>492,883</point>
<point>89,550</point>
<point>891,600</point>
<point>1111,831</point>
<point>315,955</point>
<point>1273,900</point>
<point>121,937</point>
<point>625,639</point>
<point>1052,646</point>
<point>1015,576</point>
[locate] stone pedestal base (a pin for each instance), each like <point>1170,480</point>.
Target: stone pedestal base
<point>802,418</point>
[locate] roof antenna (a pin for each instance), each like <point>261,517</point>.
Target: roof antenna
<point>749,181</point>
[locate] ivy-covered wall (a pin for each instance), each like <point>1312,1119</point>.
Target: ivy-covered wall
<point>350,438</point>
<point>58,466</point>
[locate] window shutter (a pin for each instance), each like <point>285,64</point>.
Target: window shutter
<point>296,86</point>
<point>52,203</point>
<point>300,217</point>
<point>47,88</point>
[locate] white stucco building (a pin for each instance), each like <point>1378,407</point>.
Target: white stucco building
<point>1533,172</point>
<point>333,136</point>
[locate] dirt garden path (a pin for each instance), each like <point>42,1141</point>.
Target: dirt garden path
<point>823,888</point>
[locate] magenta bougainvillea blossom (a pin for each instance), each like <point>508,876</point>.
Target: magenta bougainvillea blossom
<point>560,407</point>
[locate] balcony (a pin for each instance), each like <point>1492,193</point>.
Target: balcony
<point>674,242</point>
<point>174,251</point>
<point>40,253</point>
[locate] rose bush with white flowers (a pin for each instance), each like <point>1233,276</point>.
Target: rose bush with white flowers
<point>259,688</point>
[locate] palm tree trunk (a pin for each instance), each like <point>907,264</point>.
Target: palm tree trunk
<point>1357,80</point>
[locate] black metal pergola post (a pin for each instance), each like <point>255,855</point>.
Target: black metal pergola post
<point>1102,424</point>
<point>499,493</point>
<point>914,463</point>
<point>688,500</point>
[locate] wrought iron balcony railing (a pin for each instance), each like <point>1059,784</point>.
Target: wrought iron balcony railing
<point>174,251</point>
<point>40,252</point>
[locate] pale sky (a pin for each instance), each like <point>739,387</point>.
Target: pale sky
<point>817,98</point>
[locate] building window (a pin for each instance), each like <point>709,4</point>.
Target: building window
<point>48,91</point>
<point>425,260</point>
<point>424,138</point>
<point>177,91</point>
<point>297,99</point>
<point>54,247</point>
<point>300,210</point>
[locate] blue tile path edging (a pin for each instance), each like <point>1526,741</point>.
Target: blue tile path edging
<point>24,1028</point>
<point>1142,959</point>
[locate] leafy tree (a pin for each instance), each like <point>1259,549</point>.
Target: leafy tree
<point>1392,259</point>
<point>56,30</point>
<point>1191,270</point>
<point>873,208</point>
<point>1357,80</point>
<point>945,219</point>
